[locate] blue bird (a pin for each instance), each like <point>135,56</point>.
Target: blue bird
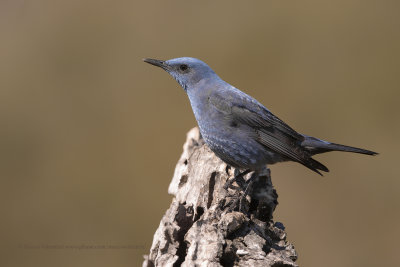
<point>237,128</point>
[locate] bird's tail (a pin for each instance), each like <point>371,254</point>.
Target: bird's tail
<point>317,146</point>
<point>315,166</point>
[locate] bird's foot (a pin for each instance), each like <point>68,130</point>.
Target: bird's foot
<point>238,179</point>
<point>249,188</point>
<point>241,191</point>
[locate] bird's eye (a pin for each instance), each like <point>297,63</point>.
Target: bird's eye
<point>183,67</point>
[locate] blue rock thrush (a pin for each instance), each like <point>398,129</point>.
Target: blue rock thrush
<point>237,128</point>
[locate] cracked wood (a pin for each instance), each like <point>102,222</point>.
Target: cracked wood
<point>207,225</point>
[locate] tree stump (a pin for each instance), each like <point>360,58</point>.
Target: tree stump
<point>208,225</point>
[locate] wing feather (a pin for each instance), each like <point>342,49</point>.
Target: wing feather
<point>271,132</point>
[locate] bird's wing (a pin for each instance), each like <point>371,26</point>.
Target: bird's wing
<point>271,132</point>
<point>245,109</point>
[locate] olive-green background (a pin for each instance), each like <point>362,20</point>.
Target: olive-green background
<point>90,135</point>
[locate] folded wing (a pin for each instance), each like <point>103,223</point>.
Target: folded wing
<point>270,131</point>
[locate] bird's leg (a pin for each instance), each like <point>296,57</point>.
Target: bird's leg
<point>238,179</point>
<point>242,186</point>
<point>250,182</point>
<point>248,187</point>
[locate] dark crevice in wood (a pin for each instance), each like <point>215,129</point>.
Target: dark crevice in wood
<point>199,212</point>
<point>211,189</point>
<point>184,219</point>
<point>183,180</point>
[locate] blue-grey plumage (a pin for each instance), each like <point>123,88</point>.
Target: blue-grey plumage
<point>239,129</point>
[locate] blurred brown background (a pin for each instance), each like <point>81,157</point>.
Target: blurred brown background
<point>90,135</point>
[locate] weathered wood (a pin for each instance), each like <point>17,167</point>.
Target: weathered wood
<point>207,225</point>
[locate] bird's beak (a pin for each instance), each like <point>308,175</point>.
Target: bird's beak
<point>156,62</point>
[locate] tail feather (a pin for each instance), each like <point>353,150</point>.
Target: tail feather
<point>317,146</point>
<point>316,166</point>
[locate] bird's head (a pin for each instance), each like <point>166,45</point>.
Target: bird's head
<point>187,71</point>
